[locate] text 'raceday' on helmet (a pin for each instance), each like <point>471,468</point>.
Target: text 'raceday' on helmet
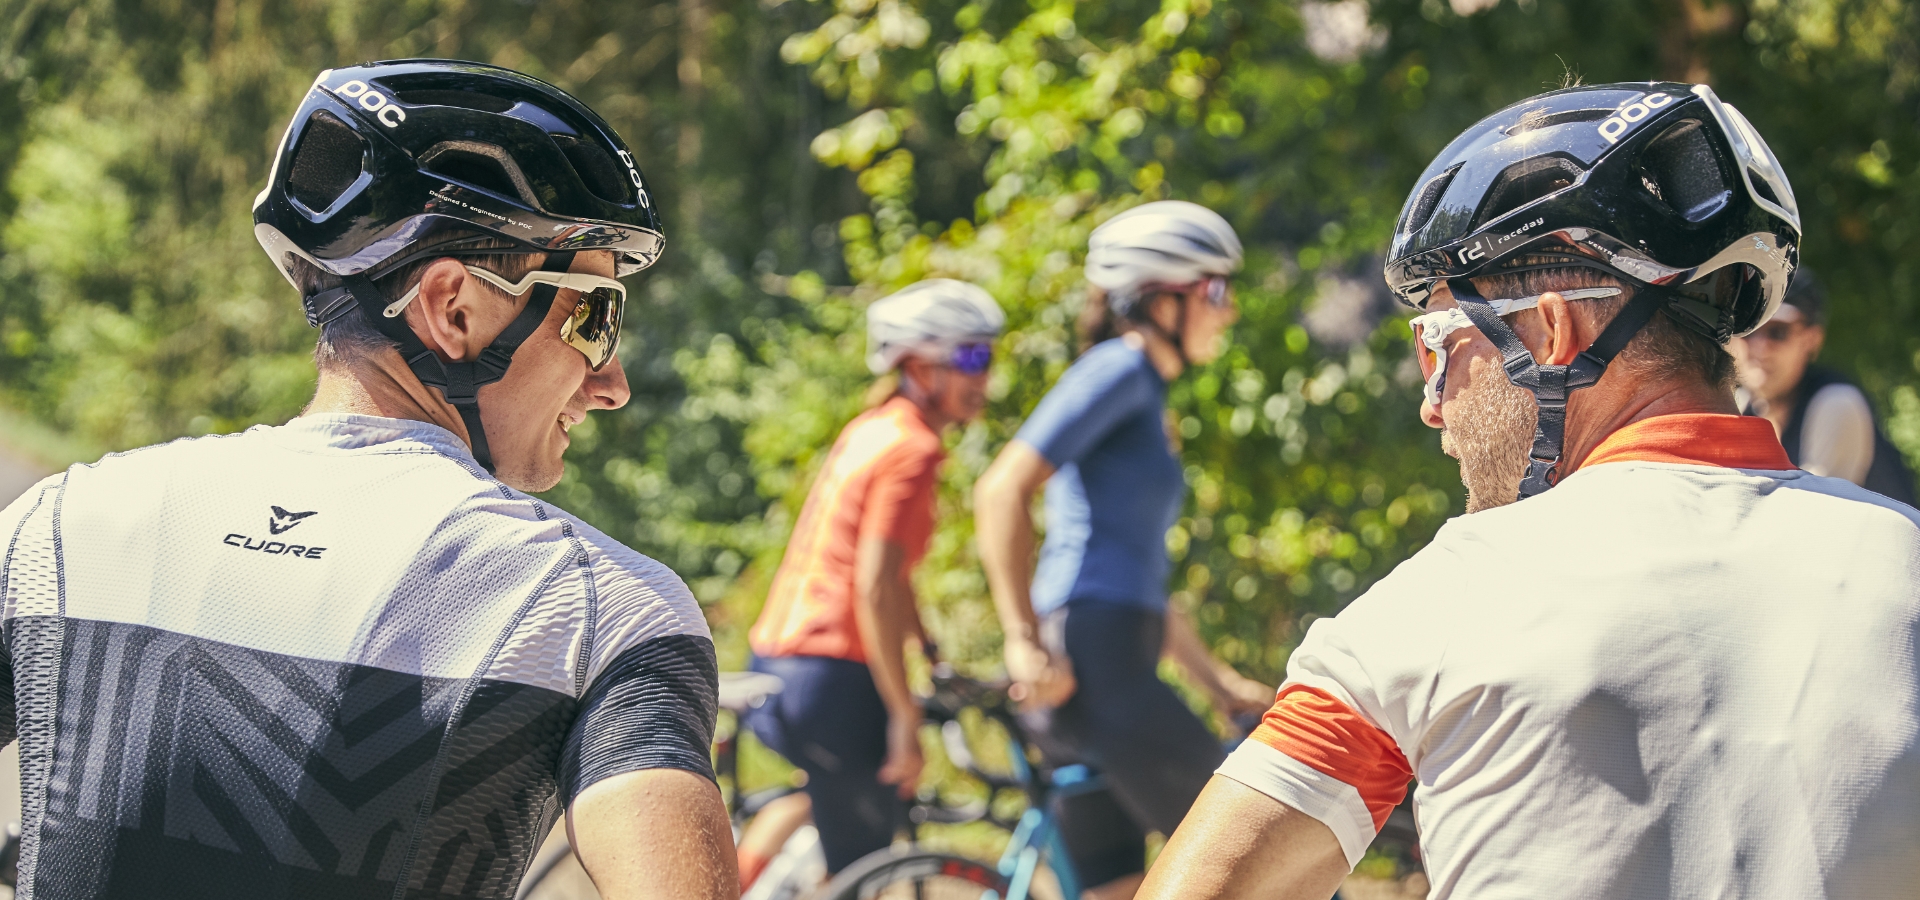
<point>1659,184</point>
<point>386,163</point>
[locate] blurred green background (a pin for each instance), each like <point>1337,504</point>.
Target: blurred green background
<point>812,156</point>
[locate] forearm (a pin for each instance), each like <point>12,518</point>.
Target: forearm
<point>884,611</point>
<point>1184,646</point>
<point>1004,531</point>
<point>657,834</point>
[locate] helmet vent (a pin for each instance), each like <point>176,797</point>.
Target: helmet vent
<point>1541,119</point>
<point>461,99</point>
<point>597,169</point>
<point>326,163</point>
<point>1527,181</point>
<point>1427,201</point>
<point>1680,168</point>
<point>481,165</point>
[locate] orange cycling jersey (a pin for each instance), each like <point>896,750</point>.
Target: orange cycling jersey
<point>878,483</point>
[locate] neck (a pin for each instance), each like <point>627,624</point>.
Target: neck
<point>383,386</point>
<point>1160,352</point>
<point>1596,413</point>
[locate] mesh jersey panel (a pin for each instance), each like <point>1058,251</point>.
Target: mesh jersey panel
<point>328,659</point>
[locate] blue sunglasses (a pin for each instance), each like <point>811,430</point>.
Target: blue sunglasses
<point>972,359</point>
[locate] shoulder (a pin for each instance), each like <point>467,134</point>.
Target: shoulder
<point>1109,363</point>
<point>637,599</point>
<point>1839,399</point>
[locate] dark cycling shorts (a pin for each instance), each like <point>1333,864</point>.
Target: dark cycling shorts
<point>1153,753</point>
<point>831,722</point>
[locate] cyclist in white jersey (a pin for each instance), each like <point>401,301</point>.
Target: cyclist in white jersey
<point>347,656</point>
<point>1677,667</point>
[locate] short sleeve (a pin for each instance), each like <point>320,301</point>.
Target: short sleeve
<point>1110,383</point>
<point>28,579</point>
<point>1836,438</point>
<point>1333,744</point>
<point>652,688</point>
<point>899,501</point>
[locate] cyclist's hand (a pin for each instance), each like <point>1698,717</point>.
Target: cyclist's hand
<point>1041,679</point>
<point>904,760</point>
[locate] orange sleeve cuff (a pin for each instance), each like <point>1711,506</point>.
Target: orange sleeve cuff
<point>1316,729</point>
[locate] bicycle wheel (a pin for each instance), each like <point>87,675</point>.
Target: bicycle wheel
<point>915,874</point>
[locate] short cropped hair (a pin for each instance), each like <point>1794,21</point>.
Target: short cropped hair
<point>1662,350</point>
<point>352,338</point>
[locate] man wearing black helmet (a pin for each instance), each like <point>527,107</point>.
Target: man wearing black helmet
<point>347,656</point>
<point>1676,666</point>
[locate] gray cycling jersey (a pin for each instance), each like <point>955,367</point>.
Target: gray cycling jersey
<point>324,660</point>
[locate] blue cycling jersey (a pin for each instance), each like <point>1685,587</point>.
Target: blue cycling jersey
<point>1117,487</point>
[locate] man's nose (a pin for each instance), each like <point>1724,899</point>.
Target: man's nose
<point>608,388</point>
<point>1430,414</point>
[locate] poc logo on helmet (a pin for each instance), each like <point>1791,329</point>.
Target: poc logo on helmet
<point>1642,107</point>
<point>374,102</point>
<point>633,173</point>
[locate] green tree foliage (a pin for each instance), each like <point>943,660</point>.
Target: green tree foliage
<point>816,154</point>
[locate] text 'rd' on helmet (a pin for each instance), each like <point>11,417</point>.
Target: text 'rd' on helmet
<point>388,162</point>
<point>1658,183</point>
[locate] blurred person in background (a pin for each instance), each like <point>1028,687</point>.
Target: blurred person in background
<point>1085,632</point>
<point>841,609</point>
<point>1823,419</point>
<point>349,656</point>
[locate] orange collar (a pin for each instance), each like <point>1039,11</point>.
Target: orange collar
<point>1696,439</point>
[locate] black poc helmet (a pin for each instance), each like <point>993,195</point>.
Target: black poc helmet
<point>1659,184</point>
<point>390,162</point>
<point>387,162</point>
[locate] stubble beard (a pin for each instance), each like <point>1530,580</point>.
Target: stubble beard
<point>1490,431</point>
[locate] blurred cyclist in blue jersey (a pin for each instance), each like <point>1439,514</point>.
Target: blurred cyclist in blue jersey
<point>1087,629</point>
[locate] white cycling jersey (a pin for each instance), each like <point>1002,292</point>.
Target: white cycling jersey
<point>1687,671</point>
<point>324,660</point>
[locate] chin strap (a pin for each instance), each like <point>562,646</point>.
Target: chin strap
<point>458,381</point>
<point>1552,385</point>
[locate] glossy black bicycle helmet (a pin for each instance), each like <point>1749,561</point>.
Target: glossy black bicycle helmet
<point>1659,184</point>
<point>390,162</point>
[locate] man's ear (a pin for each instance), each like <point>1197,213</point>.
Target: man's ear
<point>1561,338</point>
<point>1816,339</point>
<point>439,315</point>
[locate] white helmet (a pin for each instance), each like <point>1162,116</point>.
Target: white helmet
<point>1166,242</point>
<point>931,317</point>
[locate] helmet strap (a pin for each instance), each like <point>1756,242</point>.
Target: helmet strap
<point>1551,385</point>
<point>458,381</point>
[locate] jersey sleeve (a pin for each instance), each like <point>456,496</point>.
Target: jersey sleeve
<point>1335,744</point>
<point>28,581</point>
<point>652,683</point>
<point>1097,393</point>
<point>899,503</point>
<point>1836,437</point>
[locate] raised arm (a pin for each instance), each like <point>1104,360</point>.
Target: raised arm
<point>1239,843</point>
<point>656,834</point>
<point>1003,526</point>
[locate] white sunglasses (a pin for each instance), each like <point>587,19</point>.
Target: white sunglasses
<point>1430,331</point>
<point>593,328</point>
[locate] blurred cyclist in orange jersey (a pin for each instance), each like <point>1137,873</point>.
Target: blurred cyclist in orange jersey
<point>841,608</point>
